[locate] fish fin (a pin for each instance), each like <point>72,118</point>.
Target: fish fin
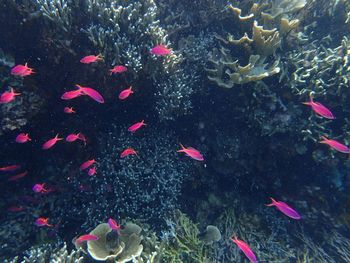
<point>143,123</point>
<point>324,138</point>
<point>182,148</point>
<point>309,103</point>
<point>274,202</point>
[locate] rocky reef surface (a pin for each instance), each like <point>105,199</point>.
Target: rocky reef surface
<point>232,87</point>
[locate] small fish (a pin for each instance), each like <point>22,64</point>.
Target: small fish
<point>192,152</point>
<point>91,59</point>
<point>8,96</point>
<point>285,209</point>
<point>69,110</point>
<point>245,248</point>
<point>17,176</point>
<point>125,93</point>
<point>10,168</point>
<point>117,69</point>
<point>23,138</point>
<point>87,164</point>
<point>338,146</point>
<point>91,93</point>
<point>127,152</point>
<point>160,50</point>
<point>113,224</point>
<point>92,171</point>
<point>68,95</point>
<point>320,109</point>
<point>136,126</point>
<point>40,188</point>
<point>50,143</point>
<point>22,70</point>
<point>42,221</point>
<point>72,137</point>
<point>87,237</point>
<point>15,209</point>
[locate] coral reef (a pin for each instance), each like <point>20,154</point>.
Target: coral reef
<point>121,246</point>
<point>49,253</point>
<point>19,112</point>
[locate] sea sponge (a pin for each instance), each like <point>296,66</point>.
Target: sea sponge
<point>212,234</point>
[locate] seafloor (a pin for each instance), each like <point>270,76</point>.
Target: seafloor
<point>230,86</point>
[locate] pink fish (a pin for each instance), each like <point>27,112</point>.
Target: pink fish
<point>113,224</point>
<point>191,152</point>
<point>50,143</point>
<point>10,168</point>
<point>245,248</point>
<point>8,96</point>
<point>125,93</point>
<point>22,70</point>
<point>117,69</point>
<point>87,237</point>
<point>128,151</point>
<point>285,209</point>
<point>91,93</point>
<point>23,138</point>
<point>92,171</point>
<point>133,128</point>
<point>72,137</point>
<point>91,59</point>
<point>17,176</point>
<point>160,50</point>
<point>335,145</point>
<point>87,164</point>
<point>40,188</point>
<point>68,95</point>
<point>320,109</point>
<point>69,110</point>
<point>42,221</point>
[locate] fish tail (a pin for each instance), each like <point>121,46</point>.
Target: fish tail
<point>273,202</point>
<point>143,123</point>
<point>57,138</point>
<point>324,138</point>
<point>182,148</point>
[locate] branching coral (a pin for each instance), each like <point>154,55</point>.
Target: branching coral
<point>50,254</point>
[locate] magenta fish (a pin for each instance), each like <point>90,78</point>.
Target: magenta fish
<point>133,128</point>
<point>95,95</point>
<point>91,59</point>
<point>87,237</point>
<point>8,96</point>
<point>320,109</point>
<point>160,50</point>
<point>68,95</point>
<point>191,152</point>
<point>22,70</point>
<point>42,221</point>
<point>40,188</point>
<point>23,138</point>
<point>92,171</point>
<point>87,164</point>
<point>125,93</point>
<point>50,143</point>
<point>118,69</point>
<point>335,145</point>
<point>285,209</point>
<point>245,248</point>
<point>113,224</point>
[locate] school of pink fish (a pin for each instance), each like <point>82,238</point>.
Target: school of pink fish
<point>91,165</point>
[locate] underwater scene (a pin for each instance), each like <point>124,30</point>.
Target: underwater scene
<point>175,131</point>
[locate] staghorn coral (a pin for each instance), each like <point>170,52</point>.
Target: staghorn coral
<point>227,72</point>
<point>146,186</point>
<point>49,253</point>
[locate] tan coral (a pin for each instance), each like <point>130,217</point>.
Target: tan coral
<point>265,41</point>
<point>120,246</point>
<point>227,72</point>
